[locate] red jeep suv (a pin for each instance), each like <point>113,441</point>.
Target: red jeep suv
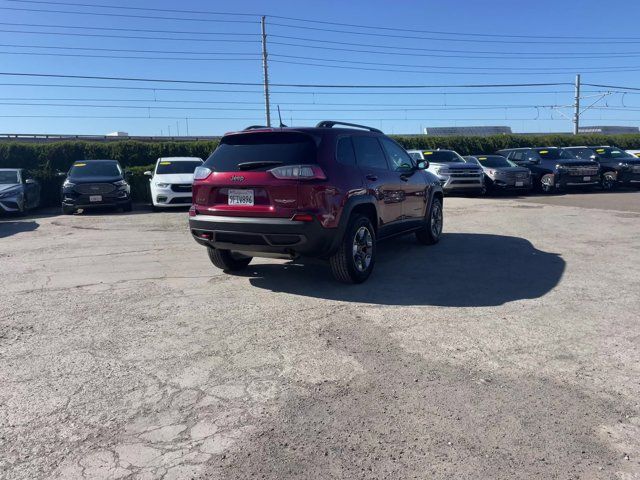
<point>323,192</point>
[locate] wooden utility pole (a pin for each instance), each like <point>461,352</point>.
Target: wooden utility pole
<point>266,72</point>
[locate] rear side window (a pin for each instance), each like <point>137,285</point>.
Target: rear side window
<point>345,153</point>
<point>400,159</point>
<point>263,151</point>
<point>369,153</point>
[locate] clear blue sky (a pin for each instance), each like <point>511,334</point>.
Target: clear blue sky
<point>383,59</point>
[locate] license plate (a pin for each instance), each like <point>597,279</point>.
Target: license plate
<point>586,179</point>
<point>95,198</point>
<point>240,197</point>
<point>519,184</point>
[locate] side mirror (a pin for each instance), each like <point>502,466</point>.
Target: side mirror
<point>29,180</point>
<point>423,165</point>
<point>148,173</point>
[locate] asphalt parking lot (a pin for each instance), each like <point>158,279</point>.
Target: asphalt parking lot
<point>509,350</point>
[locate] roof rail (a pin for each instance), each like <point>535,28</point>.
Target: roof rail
<point>255,127</point>
<point>332,123</point>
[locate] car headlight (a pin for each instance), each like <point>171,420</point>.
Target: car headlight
<point>201,173</point>
<point>163,185</point>
<point>623,165</point>
<point>68,184</point>
<point>560,167</point>
<point>120,183</point>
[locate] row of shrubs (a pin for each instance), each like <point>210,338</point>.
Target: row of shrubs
<point>45,160</point>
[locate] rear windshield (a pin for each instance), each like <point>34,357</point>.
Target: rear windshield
<point>168,166</point>
<point>612,152</point>
<point>442,156</point>
<point>494,161</point>
<point>95,169</point>
<point>262,151</point>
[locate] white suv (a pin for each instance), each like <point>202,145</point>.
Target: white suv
<point>455,175</point>
<point>171,181</point>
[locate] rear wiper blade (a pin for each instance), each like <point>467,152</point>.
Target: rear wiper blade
<point>252,165</point>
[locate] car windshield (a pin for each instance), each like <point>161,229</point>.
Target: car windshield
<point>494,161</point>
<point>442,156</point>
<point>182,166</point>
<point>554,154</point>
<point>612,152</point>
<point>582,153</point>
<point>95,169</point>
<point>262,151</point>
<point>8,177</point>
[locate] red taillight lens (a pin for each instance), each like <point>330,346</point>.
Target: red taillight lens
<point>302,217</point>
<point>298,172</point>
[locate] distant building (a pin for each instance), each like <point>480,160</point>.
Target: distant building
<point>467,131</point>
<point>609,130</point>
<point>117,134</point>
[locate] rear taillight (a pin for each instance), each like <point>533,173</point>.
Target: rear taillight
<point>298,172</point>
<point>302,217</point>
<point>201,173</point>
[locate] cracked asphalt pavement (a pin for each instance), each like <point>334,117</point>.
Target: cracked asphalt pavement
<point>509,350</point>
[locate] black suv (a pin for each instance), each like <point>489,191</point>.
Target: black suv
<point>95,183</point>
<point>617,167</point>
<point>323,192</point>
<point>554,168</point>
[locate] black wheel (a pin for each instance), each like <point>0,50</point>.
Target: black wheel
<point>547,183</point>
<point>356,256</point>
<point>608,182</point>
<point>68,210</point>
<point>227,260</point>
<point>432,229</point>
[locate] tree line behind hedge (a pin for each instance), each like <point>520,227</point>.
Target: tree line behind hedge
<point>44,160</point>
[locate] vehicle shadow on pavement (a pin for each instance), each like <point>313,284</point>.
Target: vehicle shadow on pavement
<point>11,228</point>
<point>463,270</point>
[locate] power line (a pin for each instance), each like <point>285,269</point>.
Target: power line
<point>526,69</point>
<point>125,57</point>
<point>104,35</point>
<point>500,73</point>
<point>468,40</point>
<point>122,15</point>
<point>125,50</point>
<point>281,92</point>
<point>120,7</point>
<point>611,86</point>
<point>235,108</point>
<point>94,28</point>
<point>296,85</point>
<point>375,27</point>
<point>395,48</point>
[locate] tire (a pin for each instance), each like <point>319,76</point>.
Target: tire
<point>356,255</point>
<point>547,183</point>
<point>227,260</point>
<point>432,230</point>
<point>68,210</point>
<point>608,181</point>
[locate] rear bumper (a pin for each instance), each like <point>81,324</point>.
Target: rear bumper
<point>263,235</point>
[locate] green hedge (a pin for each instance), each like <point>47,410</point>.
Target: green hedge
<point>43,160</point>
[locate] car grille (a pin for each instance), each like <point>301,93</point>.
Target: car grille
<point>181,187</point>
<point>582,171</point>
<point>517,176</point>
<point>454,172</point>
<point>94,188</point>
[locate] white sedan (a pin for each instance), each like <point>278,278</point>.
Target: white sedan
<point>171,181</point>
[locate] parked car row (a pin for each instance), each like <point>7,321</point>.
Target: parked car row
<point>548,169</point>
